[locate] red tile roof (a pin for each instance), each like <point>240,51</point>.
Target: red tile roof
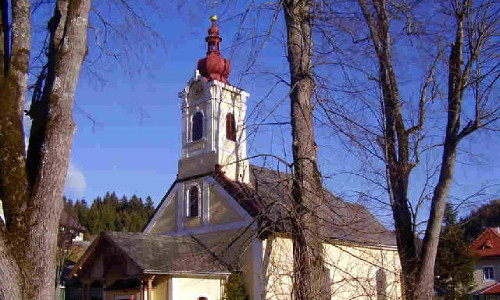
<point>487,243</point>
<point>492,290</point>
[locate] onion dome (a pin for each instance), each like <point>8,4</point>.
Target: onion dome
<point>214,66</point>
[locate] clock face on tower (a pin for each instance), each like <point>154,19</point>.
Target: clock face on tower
<point>196,90</point>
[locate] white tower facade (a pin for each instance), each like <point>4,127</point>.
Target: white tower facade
<point>213,129</point>
<point>213,118</point>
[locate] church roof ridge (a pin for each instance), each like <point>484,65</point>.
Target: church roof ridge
<point>270,190</point>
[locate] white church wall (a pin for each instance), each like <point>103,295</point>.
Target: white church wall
<point>353,271</point>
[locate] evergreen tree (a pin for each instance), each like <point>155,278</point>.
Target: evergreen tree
<point>150,207</point>
<point>235,288</point>
<point>454,261</point>
<point>112,213</point>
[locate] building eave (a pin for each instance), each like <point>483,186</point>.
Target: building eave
<point>188,274</point>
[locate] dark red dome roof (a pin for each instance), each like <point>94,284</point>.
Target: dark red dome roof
<point>214,66</point>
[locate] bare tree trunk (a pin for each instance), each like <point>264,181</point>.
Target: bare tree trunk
<point>13,181</point>
<point>396,137</point>
<point>309,268</point>
<point>10,287</point>
<point>418,266</point>
<point>31,186</point>
<point>457,81</point>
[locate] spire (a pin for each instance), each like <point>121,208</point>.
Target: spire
<point>213,39</point>
<point>214,66</point>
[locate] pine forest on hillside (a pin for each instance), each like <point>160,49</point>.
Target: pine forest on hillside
<point>111,213</point>
<point>479,219</point>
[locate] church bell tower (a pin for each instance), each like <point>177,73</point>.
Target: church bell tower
<point>213,118</point>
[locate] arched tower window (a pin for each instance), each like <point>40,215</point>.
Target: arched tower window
<point>230,127</point>
<point>193,202</point>
<point>197,128</point>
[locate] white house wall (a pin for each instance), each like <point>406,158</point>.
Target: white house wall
<point>478,274</point>
<point>192,288</point>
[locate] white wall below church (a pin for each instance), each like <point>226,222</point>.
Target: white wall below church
<point>186,288</point>
<point>352,270</point>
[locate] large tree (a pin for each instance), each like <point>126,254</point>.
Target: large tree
<point>463,60</point>
<point>31,184</point>
<point>32,180</point>
<point>399,131</point>
<point>309,266</point>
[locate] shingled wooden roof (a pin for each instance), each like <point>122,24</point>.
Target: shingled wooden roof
<point>68,221</point>
<point>157,254</point>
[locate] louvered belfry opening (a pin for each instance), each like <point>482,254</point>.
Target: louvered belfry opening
<point>230,127</point>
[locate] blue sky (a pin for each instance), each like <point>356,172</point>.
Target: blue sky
<point>128,137</point>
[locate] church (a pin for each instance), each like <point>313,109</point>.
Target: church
<point>225,222</point>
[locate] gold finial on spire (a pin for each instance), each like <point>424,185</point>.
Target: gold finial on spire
<point>214,18</point>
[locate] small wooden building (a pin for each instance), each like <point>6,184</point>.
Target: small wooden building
<point>138,266</point>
